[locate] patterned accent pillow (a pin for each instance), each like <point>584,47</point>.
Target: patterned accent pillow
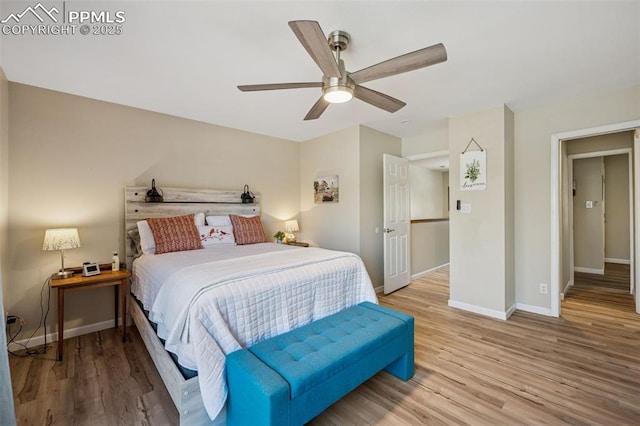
<point>177,233</point>
<point>147,243</point>
<point>213,235</point>
<point>247,230</point>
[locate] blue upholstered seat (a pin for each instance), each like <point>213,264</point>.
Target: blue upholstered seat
<point>291,378</point>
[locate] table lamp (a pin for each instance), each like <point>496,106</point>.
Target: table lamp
<point>291,226</point>
<point>61,239</point>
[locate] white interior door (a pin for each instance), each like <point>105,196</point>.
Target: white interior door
<point>397,222</point>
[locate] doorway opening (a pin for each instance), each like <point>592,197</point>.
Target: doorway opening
<point>559,159</point>
<point>600,217</point>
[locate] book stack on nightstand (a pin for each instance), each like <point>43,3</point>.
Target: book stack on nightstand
<point>297,243</point>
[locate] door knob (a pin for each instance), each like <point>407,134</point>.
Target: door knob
<point>388,230</point>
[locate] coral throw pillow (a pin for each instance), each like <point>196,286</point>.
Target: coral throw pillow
<point>177,233</point>
<point>247,230</point>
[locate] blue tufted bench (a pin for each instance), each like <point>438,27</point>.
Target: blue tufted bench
<point>291,378</point>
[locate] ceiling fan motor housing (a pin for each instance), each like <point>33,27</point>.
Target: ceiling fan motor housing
<point>338,89</point>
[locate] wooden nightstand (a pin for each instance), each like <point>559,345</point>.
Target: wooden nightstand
<point>298,243</point>
<point>77,282</point>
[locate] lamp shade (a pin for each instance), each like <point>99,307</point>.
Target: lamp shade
<point>61,239</point>
<point>291,226</point>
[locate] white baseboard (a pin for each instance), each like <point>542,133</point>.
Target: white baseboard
<point>620,261</point>
<point>72,332</point>
<point>566,289</point>
<point>380,289</point>
<point>482,310</point>
<point>534,309</point>
<point>428,271</point>
<point>511,310</point>
<point>588,270</point>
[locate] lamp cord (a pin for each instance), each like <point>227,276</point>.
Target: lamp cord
<point>41,324</point>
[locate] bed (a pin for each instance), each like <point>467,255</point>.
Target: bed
<point>207,303</point>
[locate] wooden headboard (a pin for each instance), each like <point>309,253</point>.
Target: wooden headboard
<point>180,201</point>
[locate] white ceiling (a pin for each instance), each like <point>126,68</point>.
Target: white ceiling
<point>186,59</point>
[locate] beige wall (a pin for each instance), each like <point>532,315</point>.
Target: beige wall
<point>7,415</point>
<point>533,130</point>
<point>332,225</point>
<point>355,154</point>
<point>4,184</point>
<point>372,145</point>
<point>72,156</point>
<point>509,225</point>
<point>588,229</point>
<point>433,139</point>
<point>616,234</point>
<point>427,195</point>
<point>445,194</point>
<point>600,143</point>
<point>429,246</point>
<point>479,271</point>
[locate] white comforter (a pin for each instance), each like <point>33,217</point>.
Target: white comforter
<point>209,308</point>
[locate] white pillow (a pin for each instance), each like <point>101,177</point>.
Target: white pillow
<point>148,244</point>
<point>213,235</point>
<point>199,219</point>
<point>218,220</point>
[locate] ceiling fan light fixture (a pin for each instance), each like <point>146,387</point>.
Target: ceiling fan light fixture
<point>338,94</point>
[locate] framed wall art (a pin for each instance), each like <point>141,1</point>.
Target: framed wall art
<point>473,169</point>
<point>326,189</point>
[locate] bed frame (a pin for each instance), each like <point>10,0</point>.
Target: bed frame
<point>177,201</point>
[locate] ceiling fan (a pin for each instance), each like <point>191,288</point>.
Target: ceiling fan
<point>339,85</point>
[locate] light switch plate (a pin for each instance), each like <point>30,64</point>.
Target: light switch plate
<point>589,204</point>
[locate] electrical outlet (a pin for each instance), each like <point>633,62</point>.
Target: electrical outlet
<point>543,288</point>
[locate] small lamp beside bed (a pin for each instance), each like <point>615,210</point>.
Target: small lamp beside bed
<point>291,226</point>
<point>61,239</point>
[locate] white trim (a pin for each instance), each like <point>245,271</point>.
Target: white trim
<point>72,332</point>
<point>620,261</point>
<point>605,153</point>
<point>379,289</point>
<point>554,267</point>
<point>588,270</point>
<point>426,155</point>
<point>632,226</point>
<point>636,215</point>
<point>556,146</point>
<point>566,289</point>
<point>483,311</point>
<point>534,309</point>
<point>428,271</point>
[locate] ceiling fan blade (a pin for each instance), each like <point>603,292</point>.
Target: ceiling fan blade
<point>408,62</point>
<point>315,42</point>
<point>378,99</point>
<point>277,86</point>
<point>317,109</point>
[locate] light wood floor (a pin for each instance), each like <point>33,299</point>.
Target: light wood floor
<point>583,368</point>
